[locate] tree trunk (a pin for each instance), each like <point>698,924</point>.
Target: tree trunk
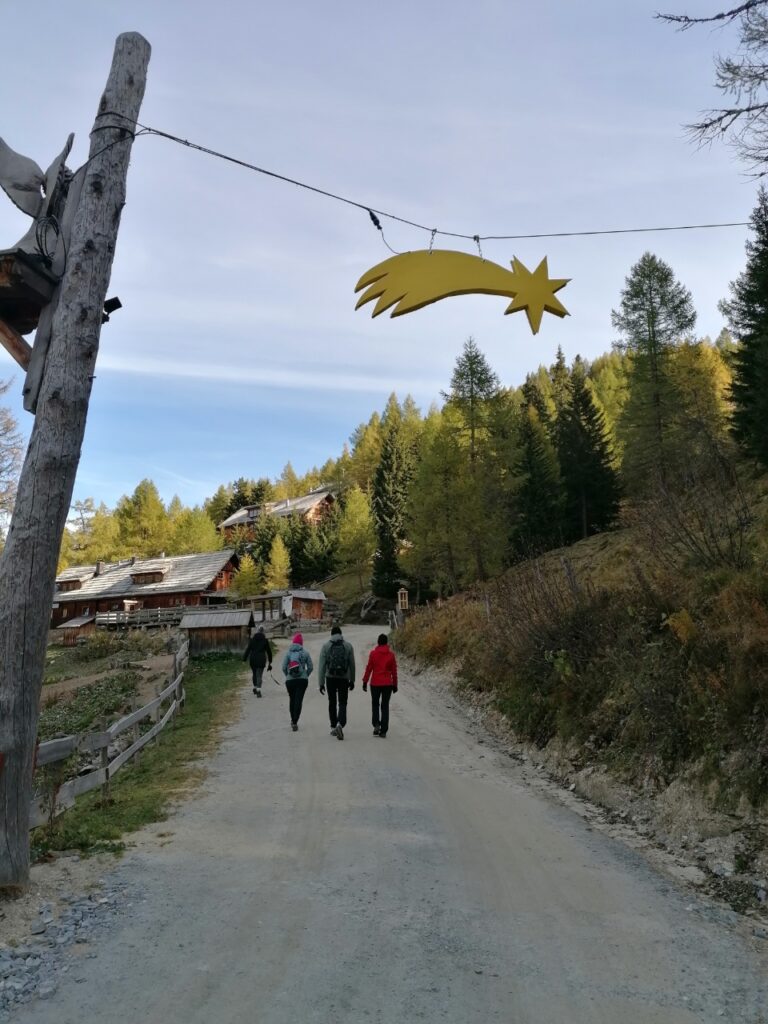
<point>28,563</point>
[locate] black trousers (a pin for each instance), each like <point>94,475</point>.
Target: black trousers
<point>258,675</point>
<point>380,695</point>
<point>296,689</point>
<point>338,691</point>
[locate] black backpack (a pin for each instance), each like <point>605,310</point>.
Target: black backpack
<point>337,661</point>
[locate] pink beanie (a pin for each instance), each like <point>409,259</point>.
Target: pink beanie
<point>298,639</point>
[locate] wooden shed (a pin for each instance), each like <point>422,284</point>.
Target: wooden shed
<point>306,605</point>
<point>72,631</point>
<point>218,631</point>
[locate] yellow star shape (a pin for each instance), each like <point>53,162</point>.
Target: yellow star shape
<point>535,293</point>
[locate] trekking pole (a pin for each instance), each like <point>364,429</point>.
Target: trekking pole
<point>277,681</point>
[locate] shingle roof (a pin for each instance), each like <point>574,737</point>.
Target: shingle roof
<point>291,506</point>
<point>306,595</point>
<point>81,620</point>
<point>208,620</point>
<point>185,573</point>
<point>241,516</point>
<point>287,507</point>
<point>151,565</point>
<point>76,572</point>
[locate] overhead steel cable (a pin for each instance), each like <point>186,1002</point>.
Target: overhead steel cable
<point>432,231</point>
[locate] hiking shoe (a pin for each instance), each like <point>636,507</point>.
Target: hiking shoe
<point>294,726</point>
<point>381,735</point>
<point>333,731</point>
<point>376,730</point>
<point>257,692</point>
<point>339,733</point>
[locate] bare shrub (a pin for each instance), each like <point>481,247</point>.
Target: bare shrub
<point>702,518</point>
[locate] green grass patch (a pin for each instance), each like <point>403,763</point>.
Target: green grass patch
<point>81,710</point>
<point>345,588</point>
<point>144,791</point>
<point>101,651</point>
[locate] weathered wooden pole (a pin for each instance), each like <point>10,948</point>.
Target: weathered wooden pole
<point>28,563</point>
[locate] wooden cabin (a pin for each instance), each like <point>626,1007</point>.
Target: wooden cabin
<point>218,630</point>
<point>311,507</point>
<point>176,582</point>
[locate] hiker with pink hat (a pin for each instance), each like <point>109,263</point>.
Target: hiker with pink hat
<point>297,668</point>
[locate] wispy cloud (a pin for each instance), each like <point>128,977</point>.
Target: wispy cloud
<point>336,379</point>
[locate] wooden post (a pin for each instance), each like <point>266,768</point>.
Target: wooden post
<point>157,714</point>
<point>15,344</point>
<point>28,563</point>
<point>135,728</point>
<point>105,764</point>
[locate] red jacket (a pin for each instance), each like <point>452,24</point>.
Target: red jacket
<point>381,668</point>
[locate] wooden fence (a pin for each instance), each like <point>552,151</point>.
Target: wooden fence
<point>147,616</point>
<point>47,806</point>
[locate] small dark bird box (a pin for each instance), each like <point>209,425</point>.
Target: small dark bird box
<point>26,288</point>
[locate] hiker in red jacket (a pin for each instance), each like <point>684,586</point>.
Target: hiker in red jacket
<point>382,672</point>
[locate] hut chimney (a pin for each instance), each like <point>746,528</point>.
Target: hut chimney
<point>99,568</point>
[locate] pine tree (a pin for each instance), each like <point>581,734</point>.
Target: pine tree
<point>473,385</point>
<point>218,504</point>
<point>536,391</point>
<point>357,537</point>
<point>586,462</point>
<point>747,315</point>
<point>390,490</point>
<point>539,492</point>
<point>296,533</point>
<point>288,484</point>
<point>191,532</point>
<point>474,389</point>
<point>559,376</point>
<point>366,452</point>
<point>248,580</point>
<point>440,504</point>
<point>608,379</point>
<point>278,571</point>
<point>259,537</point>
<point>143,521</point>
<point>246,492</point>
<point>655,313</point>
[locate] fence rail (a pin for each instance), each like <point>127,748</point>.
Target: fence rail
<point>46,807</point>
<point>147,616</point>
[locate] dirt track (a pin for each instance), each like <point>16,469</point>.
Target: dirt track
<point>416,878</point>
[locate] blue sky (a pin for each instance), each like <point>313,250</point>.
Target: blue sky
<point>238,347</point>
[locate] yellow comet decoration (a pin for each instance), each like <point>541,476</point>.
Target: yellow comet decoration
<point>415,279</point>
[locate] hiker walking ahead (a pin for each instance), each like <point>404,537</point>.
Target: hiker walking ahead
<point>297,668</point>
<point>259,653</point>
<point>382,672</point>
<point>337,675</point>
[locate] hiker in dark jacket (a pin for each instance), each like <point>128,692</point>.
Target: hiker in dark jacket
<point>382,672</point>
<point>259,653</point>
<point>297,668</point>
<point>336,674</point>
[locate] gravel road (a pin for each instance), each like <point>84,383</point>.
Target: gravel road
<point>417,878</point>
